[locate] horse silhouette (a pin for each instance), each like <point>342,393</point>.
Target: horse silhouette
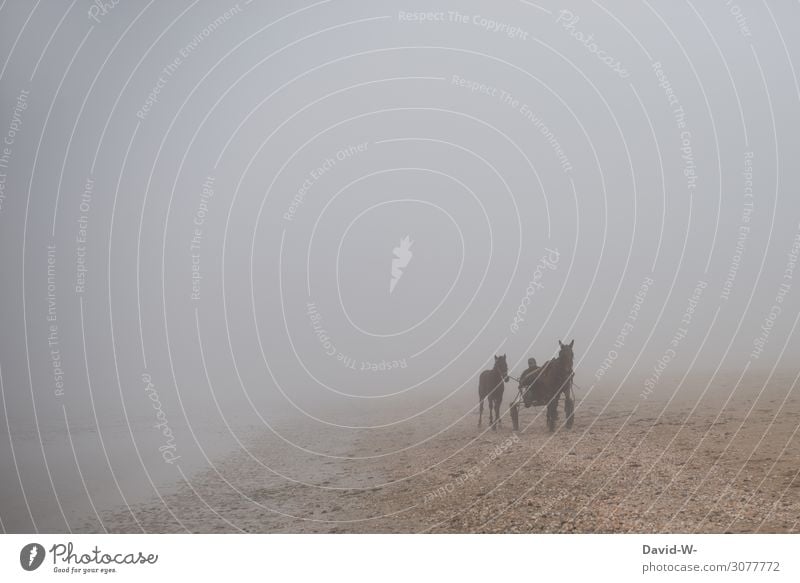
<point>491,385</point>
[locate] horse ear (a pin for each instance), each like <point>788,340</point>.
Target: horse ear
<point>496,358</point>
<point>561,345</point>
<point>571,344</point>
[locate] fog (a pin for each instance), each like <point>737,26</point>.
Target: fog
<point>204,209</point>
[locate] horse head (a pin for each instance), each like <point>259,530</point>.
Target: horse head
<point>501,366</point>
<point>566,356</point>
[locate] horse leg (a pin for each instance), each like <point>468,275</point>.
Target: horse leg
<point>552,413</point>
<point>480,412</point>
<point>497,420</point>
<point>514,410</point>
<point>569,410</point>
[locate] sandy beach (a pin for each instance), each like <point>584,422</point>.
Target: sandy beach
<point>729,462</point>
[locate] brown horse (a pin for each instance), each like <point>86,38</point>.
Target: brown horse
<point>491,385</point>
<point>550,382</point>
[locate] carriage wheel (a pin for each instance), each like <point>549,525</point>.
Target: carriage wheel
<point>514,409</point>
<point>569,411</point>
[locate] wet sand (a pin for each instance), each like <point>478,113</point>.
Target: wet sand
<point>729,462</point>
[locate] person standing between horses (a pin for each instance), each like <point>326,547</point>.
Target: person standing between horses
<point>526,378</point>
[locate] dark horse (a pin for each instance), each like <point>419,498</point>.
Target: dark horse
<point>491,384</point>
<point>550,382</point>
